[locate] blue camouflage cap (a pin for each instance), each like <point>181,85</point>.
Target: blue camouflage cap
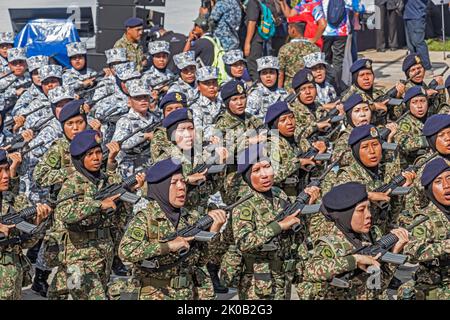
<point>207,73</point>
<point>435,123</point>
<point>361,64</point>
<point>76,48</point>
<point>61,93</point>
<point>313,59</point>
<point>411,60</point>
<point>50,71</point>
<point>301,77</point>
<point>353,101</point>
<point>155,47</point>
<point>233,56</point>
<point>177,116</point>
<point>173,97</point>
<point>432,170</point>
<point>414,92</point>
<point>276,110</point>
<point>253,154</point>
<point>37,62</point>
<point>184,59</point>
<point>7,37</point>
<point>84,141</point>
<point>345,196</point>
<point>133,22</point>
<point>163,170</point>
<point>15,54</point>
<point>127,71</point>
<point>116,55</point>
<point>232,88</point>
<point>363,132</point>
<point>136,88</point>
<point>71,109</point>
<point>268,62</point>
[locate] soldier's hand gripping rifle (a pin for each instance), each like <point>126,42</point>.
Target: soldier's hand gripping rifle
<point>19,146</point>
<point>19,219</point>
<point>434,85</point>
<point>18,138</point>
<point>391,94</point>
<point>10,122</point>
<point>382,247</point>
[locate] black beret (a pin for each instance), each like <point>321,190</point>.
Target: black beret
<point>176,116</point>
<point>362,132</point>
<point>361,64</point>
<point>173,97</point>
<point>301,77</point>
<point>276,110</point>
<point>162,170</point>
<point>71,109</point>
<point>84,141</point>
<point>432,169</point>
<point>411,60</point>
<point>414,92</point>
<point>232,88</point>
<point>133,22</point>
<point>253,154</point>
<point>345,196</point>
<point>435,123</point>
<point>3,157</point>
<point>353,101</point>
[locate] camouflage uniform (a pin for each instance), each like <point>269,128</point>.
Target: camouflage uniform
<point>183,60</point>
<point>432,279</point>
<point>155,76</point>
<point>268,271</point>
<point>88,245</point>
<point>143,240</point>
<point>291,58</point>
<point>74,78</point>
<point>14,265</point>
<point>227,15</point>
<point>7,38</point>
<point>436,103</point>
<point>160,144</point>
<point>135,51</point>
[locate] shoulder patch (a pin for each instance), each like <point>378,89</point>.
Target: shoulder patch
<point>327,252</point>
<point>137,234</point>
<point>276,156</point>
<point>419,232</point>
<point>246,214</point>
<point>405,127</point>
<point>52,160</point>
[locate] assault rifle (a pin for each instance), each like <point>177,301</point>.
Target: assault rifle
<point>18,138</point>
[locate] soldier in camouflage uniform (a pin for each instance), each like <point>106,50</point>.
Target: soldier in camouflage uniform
<point>171,278</point>
<point>160,143</point>
<point>14,85</point>
<point>326,93</point>
<point>347,206</point>
<point>79,76</point>
<point>88,245</point>
<point>6,43</point>
<point>235,65</point>
<point>14,266</point>
<point>131,42</point>
<point>186,83</point>
<point>135,150</point>
<point>413,65</point>
<point>266,92</point>
<point>273,257</point>
<point>430,245</point>
<point>109,110</point>
<point>291,54</point>
<point>207,107</point>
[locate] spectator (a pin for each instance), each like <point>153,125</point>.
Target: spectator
<point>198,41</point>
<point>310,12</point>
<point>389,13</point>
<point>225,20</point>
<point>292,53</point>
<point>415,24</point>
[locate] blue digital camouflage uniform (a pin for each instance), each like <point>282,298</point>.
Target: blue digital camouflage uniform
<point>154,76</point>
<point>8,38</point>
<point>183,60</point>
<point>227,15</point>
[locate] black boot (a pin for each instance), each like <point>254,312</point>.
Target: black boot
<point>119,268</point>
<point>32,252</point>
<point>213,270</point>
<point>395,283</point>
<point>40,284</point>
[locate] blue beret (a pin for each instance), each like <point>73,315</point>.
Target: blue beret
<point>177,116</point>
<point>411,60</point>
<point>276,110</point>
<point>173,97</point>
<point>301,77</point>
<point>248,157</point>
<point>71,109</point>
<point>232,88</point>
<point>345,196</point>
<point>84,141</point>
<point>362,132</point>
<point>361,64</point>
<point>353,101</point>
<point>133,22</point>
<point>3,157</point>
<point>435,123</point>
<point>162,170</point>
<point>414,92</point>
<point>447,82</point>
<point>432,169</point>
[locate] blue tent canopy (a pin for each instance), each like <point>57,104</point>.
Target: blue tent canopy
<point>48,37</point>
